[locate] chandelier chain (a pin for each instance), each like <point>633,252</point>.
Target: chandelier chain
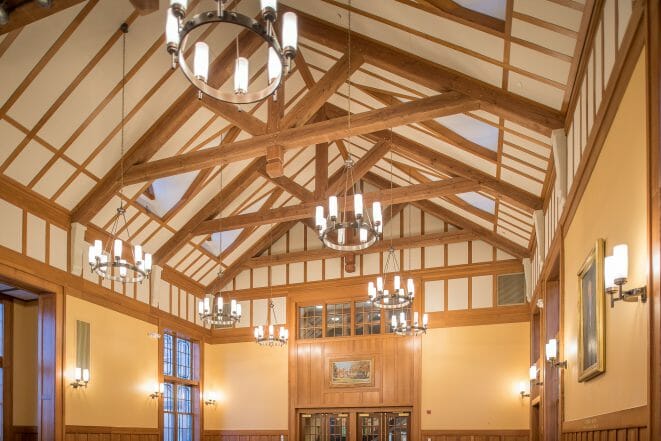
<point>124,29</point>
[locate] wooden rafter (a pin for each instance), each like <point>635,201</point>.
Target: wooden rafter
<point>210,210</point>
<point>362,166</point>
<point>434,76</point>
<point>384,245</point>
<point>256,249</point>
<point>450,166</point>
<point>321,170</point>
<point>318,94</point>
<point>299,137</point>
<point>453,10</point>
<point>152,140</point>
<point>290,186</point>
<point>29,12</point>
<point>438,129</point>
<point>306,210</point>
<point>457,220</point>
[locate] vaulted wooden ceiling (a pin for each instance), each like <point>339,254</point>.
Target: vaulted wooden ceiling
<point>455,99</point>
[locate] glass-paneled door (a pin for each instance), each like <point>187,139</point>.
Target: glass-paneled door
<point>369,426</point>
<point>337,427</point>
<point>398,426</point>
<point>312,427</point>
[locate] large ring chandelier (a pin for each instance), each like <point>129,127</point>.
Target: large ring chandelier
<point>271,339</point>
<point>115,266</point>
<point>384,298</point>
<point>178,30</point>
<point>349,228</point>
<point>412,328</point>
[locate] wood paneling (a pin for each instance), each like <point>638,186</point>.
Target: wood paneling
<point>475,435</point>
<point>99,433</point>
<point>628,424</point>
<point>24,433</point>
<point>245,435</point>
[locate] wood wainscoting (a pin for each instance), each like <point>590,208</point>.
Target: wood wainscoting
<point>99,433</point>
<point>628,424</point>
<point>24,433</point>
<point>475,435</point>
<point>244,435</point>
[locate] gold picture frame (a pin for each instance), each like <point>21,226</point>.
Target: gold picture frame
<point>351,372</point>
<point>591,313</point>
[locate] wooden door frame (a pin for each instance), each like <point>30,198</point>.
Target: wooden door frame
<point>51,380</point>
<point>653,64</point>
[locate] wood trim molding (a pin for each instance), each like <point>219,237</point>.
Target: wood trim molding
<point>622,419</point>
<point>475,433</point>
<point>112,430</point>
<point>244,432</point>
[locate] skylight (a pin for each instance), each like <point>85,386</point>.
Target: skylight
<point>478,201</point>
<point>472,129</point>
<point>167,191</point>
<point>494,8</point>
<point>228,238</point>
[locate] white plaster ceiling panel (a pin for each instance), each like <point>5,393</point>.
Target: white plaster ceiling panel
<point>54,178</point>
<point>535,90</point>
<point>550,12</point>
<point>71,58</point>
<point>545,66</point>
<point>30,46</point>
<point>76,191</point>
<point>10,137</point>
<point>543,37</point>
<point>29,162</point>
<point>521,181</point>
<point>157,240</point>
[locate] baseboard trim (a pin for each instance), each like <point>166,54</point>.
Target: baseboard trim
<point>267,432</point>
<point>622,419</point>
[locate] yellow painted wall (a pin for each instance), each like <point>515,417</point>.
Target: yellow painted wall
<point>25,363</point>
<point>613,207</point>
<point>123,369</point>
<point>470,377</point>
<point>251,383</point>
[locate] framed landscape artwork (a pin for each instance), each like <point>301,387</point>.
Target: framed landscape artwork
<point>591,359</point>
<point>351,373</point>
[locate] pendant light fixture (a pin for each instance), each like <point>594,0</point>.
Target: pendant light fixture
<point>348,226</point>
<point>213,310</point>
<point>179,27</point>
<point>109,260</point>
<point>271,339</point>
<point>402,326</point>
<point>380,293</point>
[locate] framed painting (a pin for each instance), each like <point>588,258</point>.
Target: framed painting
<point>591,348</point>
<point>351,373</point>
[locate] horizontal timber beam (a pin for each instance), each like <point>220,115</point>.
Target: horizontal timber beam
<point>381,246</point>
<point>510,106</point>
<point>299,137</point>
<point>448,165</point>
<point>457,220</point>
<point>306,210</point>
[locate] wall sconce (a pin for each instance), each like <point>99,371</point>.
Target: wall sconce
<point>616,272</point>
<point>522,390</point>
<point>552,354</point>
<point>81,378</point>
<point>210,398</point>
<point>533,376</point>
<point>159,389</point>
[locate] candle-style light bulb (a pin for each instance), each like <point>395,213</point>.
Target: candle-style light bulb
<point>148,262</point>
<point>289,34</point>
<point>332,207</point>
<point>78,374</point>
<point>319,217</point>
<point>123,271</point>
<point>425,320</point>
<point>117,249</point>
<point>201,61</point>
<point>358,205</point>
<point>397,282</point>
<point>533,372</point>
<point>621,255</point>
<point>379,284</point>
<point>207,305</point>
<point>86,375</point>
<point>274,65</point>
<point>241,75</point>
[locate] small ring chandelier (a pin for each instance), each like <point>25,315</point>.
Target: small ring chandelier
<point>398,297</point>
<point>99,258</point>
<point>404,328</point>
<point>213,310</point>
<point>345,230</point>
<point>178,31</point>
<point>271,339</point>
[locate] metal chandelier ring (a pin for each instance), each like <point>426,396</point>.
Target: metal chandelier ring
<point>373,236</point>
<point>235,18</point>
